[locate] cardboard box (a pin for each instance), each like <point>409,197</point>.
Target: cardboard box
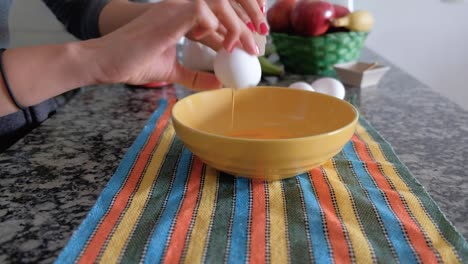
<point>360,74</point>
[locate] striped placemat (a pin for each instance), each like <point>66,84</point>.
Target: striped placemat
<point>164,205</point>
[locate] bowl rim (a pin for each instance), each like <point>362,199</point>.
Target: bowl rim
<point>218,136</point>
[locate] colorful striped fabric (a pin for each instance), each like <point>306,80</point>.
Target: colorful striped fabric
<point>164,205</point>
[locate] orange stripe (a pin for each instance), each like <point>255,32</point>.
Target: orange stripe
<point>176,244</point>
<point>258,224</point>
<point>414,233</point>
<point>335,229</point>
<point>100,236</point>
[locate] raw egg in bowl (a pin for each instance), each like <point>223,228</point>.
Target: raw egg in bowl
<point>266,133</point>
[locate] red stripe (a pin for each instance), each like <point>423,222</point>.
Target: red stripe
<point>335,229</point>
<point>176,244</point>
<point>258,224</point>
<point>414,233</point>
<point>100,236</point>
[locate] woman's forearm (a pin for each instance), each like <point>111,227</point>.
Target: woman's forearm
<point>38,73</point>
<point>117,13</point>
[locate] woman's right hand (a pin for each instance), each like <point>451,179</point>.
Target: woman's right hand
<point>143,50</point>
<point>238,19</point>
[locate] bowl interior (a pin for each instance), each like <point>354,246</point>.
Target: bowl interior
<point>264,113</point>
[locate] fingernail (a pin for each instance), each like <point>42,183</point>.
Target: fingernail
<point>263,9</point>
<point>263,28</point>
<point>251,26</point>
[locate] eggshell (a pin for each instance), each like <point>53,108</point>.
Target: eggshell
<point>302,86</point>
<point>237,69</point>
<point>329,86</point>
<point>197,56</point>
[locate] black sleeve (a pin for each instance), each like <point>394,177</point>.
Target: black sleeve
<point>80,17</point>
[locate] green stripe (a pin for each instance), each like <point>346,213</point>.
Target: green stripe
<point>223,212</point>
<point>367,216</point>
<point>431,208</point>
<point>154,207</point>
<point>296,222</point>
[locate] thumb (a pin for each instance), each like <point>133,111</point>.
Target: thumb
<point>195,80</point>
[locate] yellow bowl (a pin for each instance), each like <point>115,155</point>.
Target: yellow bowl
<point>275,133</point>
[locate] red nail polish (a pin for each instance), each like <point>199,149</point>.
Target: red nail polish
<point>263,28</point>
<point>263,9</point>
<point>251,26</point>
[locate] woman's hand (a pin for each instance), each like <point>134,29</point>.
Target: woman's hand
<point>238,19</point>
<point>143,50</point>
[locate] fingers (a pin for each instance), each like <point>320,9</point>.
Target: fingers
<point>239,11</point>
<point>197,17</point>
<point>195,80</point>
<point>242,15</point>
<point>214,41</point>
<point>237,32</point>
<point>206,22</point>
<point>255,9</point>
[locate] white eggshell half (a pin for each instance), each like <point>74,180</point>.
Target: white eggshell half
<point>237,69</point>
<point>197,56</point>
<point>302,86</point>
<point>329,86</point>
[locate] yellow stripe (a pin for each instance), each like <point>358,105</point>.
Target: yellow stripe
<point>359,243</point>
<point>278,245</point>
<point>202,222</point>
<point>445,250</point>
<point>129,220</point>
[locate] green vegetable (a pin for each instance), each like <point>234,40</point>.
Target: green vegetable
<point>269,68</point>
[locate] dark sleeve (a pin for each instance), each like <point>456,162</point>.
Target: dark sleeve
<point>80,17</point>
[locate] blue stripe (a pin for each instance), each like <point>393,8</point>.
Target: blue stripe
<point>79,239</point>
<point>160,234</point>
<point>390,221</point>
<point>318,238</point>
<point>238,244</point>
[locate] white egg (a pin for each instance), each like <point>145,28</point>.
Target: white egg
<point>302,86</point>
<point>197,56</point>
<point>329,86</point>
<point>237,69</point>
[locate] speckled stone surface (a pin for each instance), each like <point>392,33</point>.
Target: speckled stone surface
<point>50,179</point>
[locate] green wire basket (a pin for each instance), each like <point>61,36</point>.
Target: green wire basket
<point>317,55</point>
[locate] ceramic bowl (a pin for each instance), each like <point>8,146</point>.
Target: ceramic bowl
<point>272,133</point>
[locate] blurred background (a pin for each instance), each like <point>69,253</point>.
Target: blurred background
<point>428,39</point>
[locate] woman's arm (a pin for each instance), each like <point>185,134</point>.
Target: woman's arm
<point>137,53</point>
<point>87,19</point>
<point>38,73</point>
<point>118,13</point>
<point>80,17</point>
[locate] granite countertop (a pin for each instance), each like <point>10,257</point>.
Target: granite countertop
<point>50,179</point>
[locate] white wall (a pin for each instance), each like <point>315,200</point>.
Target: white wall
<point>429,39</point>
